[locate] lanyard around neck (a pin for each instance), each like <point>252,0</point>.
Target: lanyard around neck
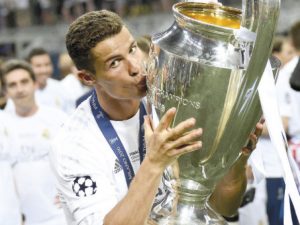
<point>113,139</point>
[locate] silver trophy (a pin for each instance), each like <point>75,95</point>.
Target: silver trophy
<point>208,65</point>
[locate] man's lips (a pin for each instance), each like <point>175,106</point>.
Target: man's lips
<point>142,82</point>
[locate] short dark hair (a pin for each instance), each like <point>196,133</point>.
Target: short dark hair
<point>14,64</point>
<point>295,35</point>
<point>35,52</point>
<point>86,32</point>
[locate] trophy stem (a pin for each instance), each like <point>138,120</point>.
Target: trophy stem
<point>180,206</point>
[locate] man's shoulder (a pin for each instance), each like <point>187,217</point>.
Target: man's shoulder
<point>77,129</point>
<point>78,144</point>
<point>5,121</point>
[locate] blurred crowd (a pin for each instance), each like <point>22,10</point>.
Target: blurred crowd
<point>34,105</point>
<point>23,13</point>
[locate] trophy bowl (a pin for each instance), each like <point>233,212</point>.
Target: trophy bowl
<point>206,68</point>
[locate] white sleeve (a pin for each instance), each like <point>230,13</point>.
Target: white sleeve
<point>84,183</point>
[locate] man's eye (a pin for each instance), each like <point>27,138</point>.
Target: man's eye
<point>25,81</point>
<point>115,63</point>
<point>11,85</point>
<point>133,49</point>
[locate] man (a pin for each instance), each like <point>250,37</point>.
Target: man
<point>101,147</point>
<point>70,82</point>
<point>34,127</point>
<point>49,91</point>
<point>267,205</point>
<point>294,122</point>
<point>289,95</point>
<point>283,49</point>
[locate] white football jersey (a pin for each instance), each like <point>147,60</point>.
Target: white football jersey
<point>10,213</point>
<point>52,95</point>
<point>90,179</point>
<point>34,178</point>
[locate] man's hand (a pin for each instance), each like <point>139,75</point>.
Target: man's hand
<point>253,138</point>
<point>165,144</point>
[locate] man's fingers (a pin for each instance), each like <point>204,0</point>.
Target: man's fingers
<point>180,129</point>
<point>262,120</point>
<point>259,127</point>
<point>186,139</point>
<point>166,119</point>
<point>251,145</point>
<point>185,149</point>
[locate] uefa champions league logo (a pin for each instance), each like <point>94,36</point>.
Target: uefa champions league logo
<point>84,186</point>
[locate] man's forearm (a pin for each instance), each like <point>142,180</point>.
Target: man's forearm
<point>228,193</point>
<point>135,207</point>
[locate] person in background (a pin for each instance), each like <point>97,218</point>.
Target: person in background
<point>49,91</point>
<point>71,84</point>
<point>283,49</point>
<point>34,128</point>
<point>108,158</point>
<point>290,94</point>
<point>267,207</point>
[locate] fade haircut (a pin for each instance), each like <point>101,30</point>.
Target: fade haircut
<point>35,52</point>
<point>15,64</point>
<point>86,32</point>
<point>295,35</point>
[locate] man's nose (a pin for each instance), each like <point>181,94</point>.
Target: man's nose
<point>134,66</point>
<point>19,88</point>
<point>44,69</point>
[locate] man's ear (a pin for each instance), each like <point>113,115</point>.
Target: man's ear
<point>86,77</point>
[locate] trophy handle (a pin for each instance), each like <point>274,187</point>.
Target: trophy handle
<point>260,17</point>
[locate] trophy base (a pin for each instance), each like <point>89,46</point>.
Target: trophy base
<point>186,214</point>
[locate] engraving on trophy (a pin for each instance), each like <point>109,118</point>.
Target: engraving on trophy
<point>155,92</point>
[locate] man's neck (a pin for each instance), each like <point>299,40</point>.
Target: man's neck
<point>26,111</point>
<point>118,109</point>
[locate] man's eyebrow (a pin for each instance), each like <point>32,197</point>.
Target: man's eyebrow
<point>112,57</point>
<point>118,55</point>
